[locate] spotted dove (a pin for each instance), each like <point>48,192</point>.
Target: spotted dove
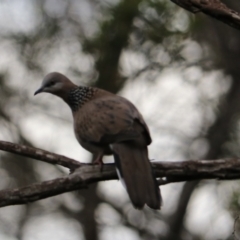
<point>104,124</point>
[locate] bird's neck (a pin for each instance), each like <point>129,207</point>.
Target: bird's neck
<point>78,96</point>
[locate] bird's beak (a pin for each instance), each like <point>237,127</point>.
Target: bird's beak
<point>38,91</point>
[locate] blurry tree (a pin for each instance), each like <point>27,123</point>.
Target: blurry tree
<point>182,72</point>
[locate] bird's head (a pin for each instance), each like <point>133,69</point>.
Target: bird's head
<point>55,83</point>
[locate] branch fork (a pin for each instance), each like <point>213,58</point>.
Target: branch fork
<point>81,174</point>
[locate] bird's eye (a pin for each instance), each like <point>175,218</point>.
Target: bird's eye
<point>50,84</point>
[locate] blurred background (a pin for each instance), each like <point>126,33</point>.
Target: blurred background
<point>181,71</point>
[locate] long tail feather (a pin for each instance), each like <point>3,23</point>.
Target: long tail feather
<point>135,169</point>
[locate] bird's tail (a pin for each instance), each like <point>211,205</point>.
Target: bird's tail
<point>135,169</point>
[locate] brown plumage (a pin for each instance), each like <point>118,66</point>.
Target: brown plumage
<point>105,123</point>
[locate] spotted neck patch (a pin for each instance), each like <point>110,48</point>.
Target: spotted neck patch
<point>80,95</point>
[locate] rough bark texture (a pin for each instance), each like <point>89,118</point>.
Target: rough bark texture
<point>212,8</point>
<point>82,175</point>
<point>39,154</point>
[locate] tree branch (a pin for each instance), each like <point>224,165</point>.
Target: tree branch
<point>39,154</point>
<point>212,8</point>
<point>84,174</point>
<point>79,179</point>
<point>222,169</point>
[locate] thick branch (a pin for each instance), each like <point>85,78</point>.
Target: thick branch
<point>223,169</point>
<point>212,8</point>
<point>79,179</point>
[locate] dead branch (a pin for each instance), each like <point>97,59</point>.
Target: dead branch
<point>84,174</point>
<point>39,154</point>
<point>79,179</point>
<point>212,8</point>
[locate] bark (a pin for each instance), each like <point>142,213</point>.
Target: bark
<point>213,8</point>
<point>85,174</point>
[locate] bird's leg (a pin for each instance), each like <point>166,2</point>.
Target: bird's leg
<point>97,159</point>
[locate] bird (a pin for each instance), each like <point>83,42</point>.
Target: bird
<point>104,124</point>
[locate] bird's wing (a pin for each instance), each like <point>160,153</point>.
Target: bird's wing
<point>110,119</point>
